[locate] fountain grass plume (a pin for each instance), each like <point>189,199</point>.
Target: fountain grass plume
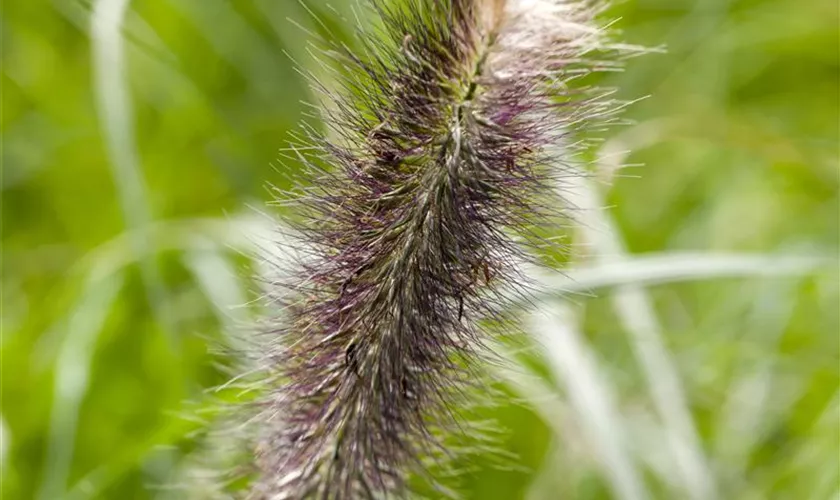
<point>427,194</point>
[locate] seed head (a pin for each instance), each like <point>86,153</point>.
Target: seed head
<point>418,209</point>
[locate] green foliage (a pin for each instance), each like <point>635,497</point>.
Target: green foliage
<point>114,306</point>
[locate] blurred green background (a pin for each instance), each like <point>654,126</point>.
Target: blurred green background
<point>134,174</point>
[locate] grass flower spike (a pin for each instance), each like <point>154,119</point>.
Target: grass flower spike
<point>431,185</point>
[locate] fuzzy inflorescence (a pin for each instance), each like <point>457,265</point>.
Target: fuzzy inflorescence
<point>442,140</point>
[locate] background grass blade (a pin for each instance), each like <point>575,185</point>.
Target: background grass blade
<point>116,118</point>
<point>638,318</point>
<point>575,366</point>
<point>72,375</point>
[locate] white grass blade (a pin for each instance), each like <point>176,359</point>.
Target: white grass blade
<point>116,120</point>
<point>576,367</point>
<point>671,267</point>
<point>747,414</point>
<point>217,279</point>
<point>5,444</point>
<point>636,313</point>
<point>72,373</point>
